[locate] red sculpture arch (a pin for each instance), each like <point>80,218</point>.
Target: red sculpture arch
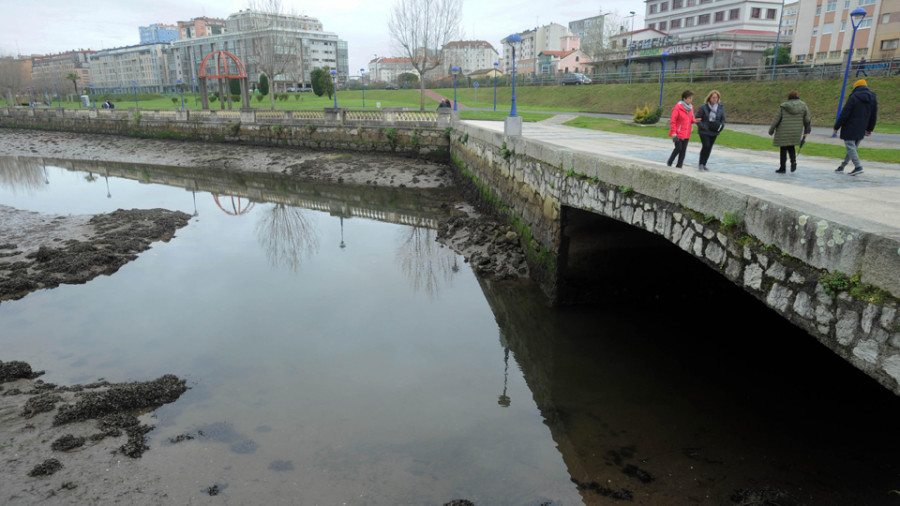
<point>228,66</point>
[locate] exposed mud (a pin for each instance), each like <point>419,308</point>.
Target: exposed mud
<point>39,251</point>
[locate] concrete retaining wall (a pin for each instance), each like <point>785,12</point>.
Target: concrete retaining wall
<point>777,249</point>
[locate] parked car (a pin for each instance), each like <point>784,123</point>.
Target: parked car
<point>292,89</point>
<point>575,78</point>
<point>392,87</point>
<point>306,89</point>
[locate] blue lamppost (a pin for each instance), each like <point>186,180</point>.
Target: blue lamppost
<point>181,91</point>
<point>856,18</point>
<point>334,85</point>
<point>134,87</point>
<point>662,75</point>
<point>91,88</point>
<point>362,79</point>
<point>58,100</point>
<point>455,71</point>
<point>194,87</point>
<point>630,39</point>
<point>778,36</point>
<point>28,94</point>
<point>513,40</point>
<point>496,71</point>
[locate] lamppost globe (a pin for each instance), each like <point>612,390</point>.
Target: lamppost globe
<point>496,71</point>
<point>455,71</point>
<point>662,75</point>
<point>856,18</point>
<point>334,85</point>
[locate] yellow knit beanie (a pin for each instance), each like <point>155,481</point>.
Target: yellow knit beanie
<point>861,82</point>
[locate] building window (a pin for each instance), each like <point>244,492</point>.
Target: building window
<point>662,26</point>
<point>663,7</point>
<point>770,13</point>
<point>834,54</point>
<point>862,52</point>
<point>691,3</point>
<point>652,8</point>
<point>885,19</point>
<point>819,10</point>
<point>703,19</point>
<point>734,14</point>
<point>689,22</point>
<point>705,2</point>
<point>720,16</point>
<point>843,25</point>
<point>866,22</point>
<point>756,13</point>
<point>846,4</point>
<point>675,24</point>
<point>652,26</point>
<point>888,45</point>
<point>677,4</point>
<point>827,28</point>
<point>815,32</point>
<point>831,6</point>
<point>866,2</point>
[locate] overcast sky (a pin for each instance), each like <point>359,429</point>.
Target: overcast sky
<point>52,26</point>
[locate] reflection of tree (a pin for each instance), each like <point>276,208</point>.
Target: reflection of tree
<point>424,261</point>
<point>21,173</point>
<point>286,235</point>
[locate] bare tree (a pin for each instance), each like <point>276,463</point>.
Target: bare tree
<point>12,77</point>
<point>421,28</point>
<point>426,263</point>
<point>287,235</point>
<point>598,38</point>
<point>275,47</point>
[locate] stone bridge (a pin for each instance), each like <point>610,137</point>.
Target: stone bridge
<point>785,247</point>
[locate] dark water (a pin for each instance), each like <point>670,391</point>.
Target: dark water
<point>385,372</point>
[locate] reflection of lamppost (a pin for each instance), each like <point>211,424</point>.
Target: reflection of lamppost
<point>194,192</point>
<point>455,71</point>
<point>662,75</point>
<point>362,79</point>
<point>46,179</point>
<point>181,91</point>
<point>343,244</point>
<point>504,399</point>
<point>856,18</point>
<point>334,86</point>
<point>496,71</point>
<point>108,195</point>
<point>194,86</point>
<point>134,87</point>
<point>630,39</point>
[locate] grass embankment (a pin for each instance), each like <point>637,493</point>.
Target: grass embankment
<point>732,139</point>
<point>745,101</point>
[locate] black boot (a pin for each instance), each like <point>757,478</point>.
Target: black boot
<point>793,167</point>
<point>780,170</point>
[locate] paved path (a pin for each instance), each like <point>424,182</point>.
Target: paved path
<point>873,196</point>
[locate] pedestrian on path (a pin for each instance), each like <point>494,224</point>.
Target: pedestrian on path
<point>861,68</point>
<point>680,126</point>
<point>712,120</point>
<point>791,125</point>
<point>857,120</point>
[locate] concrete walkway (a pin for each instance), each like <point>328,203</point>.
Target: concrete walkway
<point>871,200</point>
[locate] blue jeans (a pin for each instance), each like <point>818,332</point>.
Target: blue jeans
<point>852,155</point>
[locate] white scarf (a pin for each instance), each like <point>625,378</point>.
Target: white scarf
<point>713,108</point>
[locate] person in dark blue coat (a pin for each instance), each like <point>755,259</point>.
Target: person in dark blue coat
<point>857,120</point>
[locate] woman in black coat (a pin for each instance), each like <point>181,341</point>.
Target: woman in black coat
<point>712,120</point>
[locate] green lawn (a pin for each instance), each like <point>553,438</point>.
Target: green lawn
<point>731,139</point>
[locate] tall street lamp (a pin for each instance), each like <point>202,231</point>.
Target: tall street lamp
<point>630,40</point>
<point>496,71</point>
<point>181,91</point>
<point>194,87</point>
<point>455,71</point>
<point>662,75</point>
<point>334,85</point>
<point>134,87</point>
<point>362,79</point>
<point>778,36</point>
<point>28,94</point>
<point>376,68</point>
<point>856,18</point>
<point>513,40</point>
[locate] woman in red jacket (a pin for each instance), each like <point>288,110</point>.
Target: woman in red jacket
<point>680,127</point>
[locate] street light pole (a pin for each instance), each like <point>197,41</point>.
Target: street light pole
<point>778,36</point>
<point>496,66</point>
<point>181,91</point>
<point>455,71</point>
<point>134,87</point>
<point>334,85</point>
<point>513,40</point>
<point>630,42</point>
<point>662,75</point>
<point>856,18</point>
<point>194,87</point>
<point>362,79</point>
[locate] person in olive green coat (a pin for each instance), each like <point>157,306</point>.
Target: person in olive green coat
<point>791,125</point>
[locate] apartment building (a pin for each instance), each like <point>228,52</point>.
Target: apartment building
<point>469,55</point>
<point>688,18</point>
<point>158,33</point>
<point>200,27</point>
<point>551,37</point>
<point>824,30</point>
<point>789,18</point>
<point>55,68</point>
<point>141,68</point>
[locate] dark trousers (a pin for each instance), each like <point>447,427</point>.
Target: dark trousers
<point>707,142</point>
<point>861,71</point>
<point>788,150</point>
<point>679,151</point>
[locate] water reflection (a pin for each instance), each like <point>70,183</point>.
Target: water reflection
<point>287,236</point>
<point>22,174</point>
<point>426,263</point>
<point>238,205</point>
